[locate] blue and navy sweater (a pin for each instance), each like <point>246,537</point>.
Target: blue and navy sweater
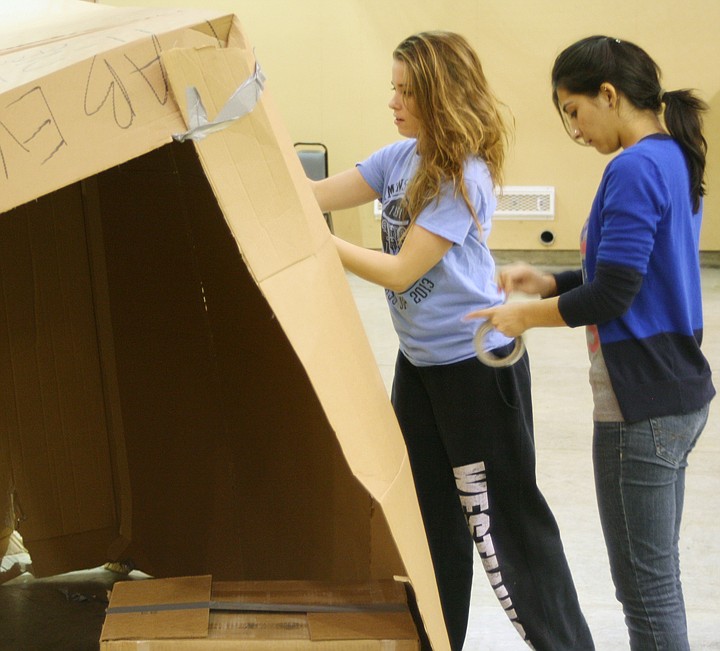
<point>640,282</point>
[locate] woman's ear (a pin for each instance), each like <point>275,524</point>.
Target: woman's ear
<point>608,93</point>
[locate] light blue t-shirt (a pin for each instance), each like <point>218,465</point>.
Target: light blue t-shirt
<point>428,316</point>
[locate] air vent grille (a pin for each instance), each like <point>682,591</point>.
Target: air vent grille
<point>526,202</point>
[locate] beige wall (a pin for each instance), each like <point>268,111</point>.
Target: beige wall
<point>328,67</point>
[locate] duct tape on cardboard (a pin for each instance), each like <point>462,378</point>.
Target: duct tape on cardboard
<point>241,102</point>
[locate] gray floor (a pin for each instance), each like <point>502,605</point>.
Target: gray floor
<point>563,408</point>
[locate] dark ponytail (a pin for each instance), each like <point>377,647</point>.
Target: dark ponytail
<point>683,119</point>
<point>582,67</point>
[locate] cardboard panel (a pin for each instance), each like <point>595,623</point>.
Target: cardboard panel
<point>51,405</point>
<point>273,233</point>
<point>93,81</point>
<point>226,439</point>
<point>309,296</point>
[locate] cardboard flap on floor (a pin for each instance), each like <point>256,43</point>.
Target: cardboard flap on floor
<point>185,382</point>
<point>270,612</point>
<point>159,608</point>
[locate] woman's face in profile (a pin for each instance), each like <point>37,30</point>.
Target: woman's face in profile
<point>402,103</point>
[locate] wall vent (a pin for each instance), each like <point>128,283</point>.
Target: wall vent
<point>525,202</point>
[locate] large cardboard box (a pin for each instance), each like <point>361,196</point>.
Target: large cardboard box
<point>196,614</point>
<point>184,378</point>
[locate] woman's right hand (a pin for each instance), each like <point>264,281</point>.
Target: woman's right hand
<point>522,277</point>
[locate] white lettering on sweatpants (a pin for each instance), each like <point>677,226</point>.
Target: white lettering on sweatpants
<point>471,481</point>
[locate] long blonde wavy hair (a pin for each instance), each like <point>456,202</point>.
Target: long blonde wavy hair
<point>458,112</point>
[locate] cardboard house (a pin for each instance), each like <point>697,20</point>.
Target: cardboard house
<point>184,377</point>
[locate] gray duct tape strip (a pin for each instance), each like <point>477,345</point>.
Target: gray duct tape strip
<point>261,607</point>
<point>242,101</point>
<point>152,608</point>
<point>307,608</point>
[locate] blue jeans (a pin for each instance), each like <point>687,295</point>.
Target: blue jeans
<point>640,485</point>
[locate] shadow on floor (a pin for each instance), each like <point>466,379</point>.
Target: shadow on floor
<point>59,612</point>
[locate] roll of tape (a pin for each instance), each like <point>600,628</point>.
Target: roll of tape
<point>487,358</point>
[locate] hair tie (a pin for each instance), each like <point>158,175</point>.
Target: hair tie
<point>661,95</point>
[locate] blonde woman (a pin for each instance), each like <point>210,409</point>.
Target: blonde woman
<point>468,427</point>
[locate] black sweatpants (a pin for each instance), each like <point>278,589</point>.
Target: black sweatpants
<point>469,433</point>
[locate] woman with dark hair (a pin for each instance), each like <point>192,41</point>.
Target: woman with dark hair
<point>467,426</point>
<point>638,292</point>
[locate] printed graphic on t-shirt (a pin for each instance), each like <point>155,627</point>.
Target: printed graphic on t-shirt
<point>394,225</point>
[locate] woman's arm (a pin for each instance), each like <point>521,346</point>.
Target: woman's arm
<point>512,319</point>
<point>344,190</point>
<point>421,251</point>
<point>607,297</point>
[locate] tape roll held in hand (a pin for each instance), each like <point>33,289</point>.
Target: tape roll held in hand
<point>487,358</point>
